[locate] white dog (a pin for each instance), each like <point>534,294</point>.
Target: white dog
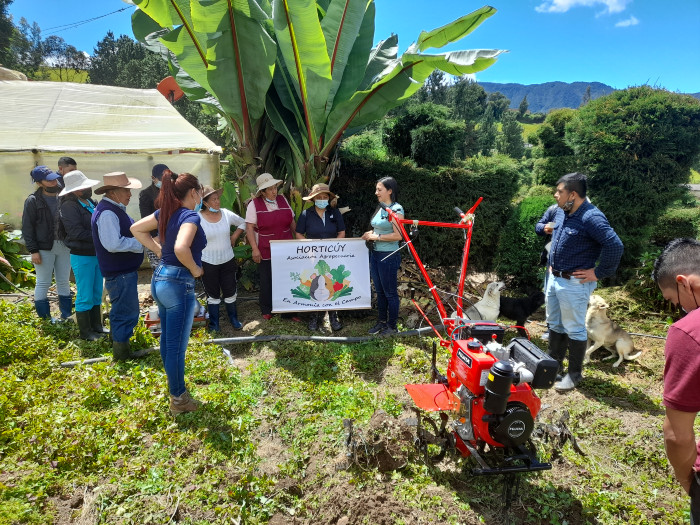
<point>489,306</point>
<point>603,332</point>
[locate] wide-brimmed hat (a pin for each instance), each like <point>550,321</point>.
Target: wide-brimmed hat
<point>116,180</point>
<point>265,181</point>
<point>76,180</point>
<point>43,173</point>
<point>319,188</point>
<point>208,191</point>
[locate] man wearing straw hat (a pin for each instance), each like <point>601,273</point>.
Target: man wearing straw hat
<point>119,256</point>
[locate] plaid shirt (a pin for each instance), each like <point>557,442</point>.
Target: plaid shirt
<point>581,239</point>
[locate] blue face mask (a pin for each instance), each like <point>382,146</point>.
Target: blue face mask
<point>158,184</point>
<point>198,206</point>
<point>321,204</point>
<point>214,210</point>
<point>271,201</point>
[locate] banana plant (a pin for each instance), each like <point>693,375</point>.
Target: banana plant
<point>291,77</point>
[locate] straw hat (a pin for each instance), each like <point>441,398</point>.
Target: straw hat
<point>76,180</point>
<point>319,188</point>
<point>208,191</point>
<point>116,180</point>
<point>265,181</point>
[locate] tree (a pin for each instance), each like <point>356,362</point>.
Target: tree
<point>436,88</point>
<point>586,97</point>
<point>637,146</point>
<point>510,140</point>
<point>65,59</point>
<point>554,156</point>
<point>7,30</point>
<point>397,133</point>
<point>468,100</point>
<point>26,49</point>
<point>487,131</point>
<point>499,103</point>
<point>290,77</point>
<point>522,108</point>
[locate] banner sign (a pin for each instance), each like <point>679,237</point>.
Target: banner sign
<point>320,274</point>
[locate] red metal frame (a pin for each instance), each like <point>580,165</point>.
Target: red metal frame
<point>467,224</point>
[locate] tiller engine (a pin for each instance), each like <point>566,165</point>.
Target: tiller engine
<point>485,400</point>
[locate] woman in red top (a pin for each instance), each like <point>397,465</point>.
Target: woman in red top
<point>269,217</point>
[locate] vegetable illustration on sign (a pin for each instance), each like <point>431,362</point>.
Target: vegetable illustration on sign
<point>322,283</point>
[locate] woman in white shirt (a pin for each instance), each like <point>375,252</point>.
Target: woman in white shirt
<point>218,261</point>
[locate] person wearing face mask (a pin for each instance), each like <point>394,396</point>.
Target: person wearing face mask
<point>268,217</point>
<point>50,257</point>
<point>218,262</point>
<point>147,206</point>
<point>677,274</point>
<point>75,209</point>
<point>322,221</point>
<point>583,250</point>
<point>172,285</point>
<point>119,257</point>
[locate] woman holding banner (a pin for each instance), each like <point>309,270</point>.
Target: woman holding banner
<point>384,257</point>
<point>322,221</point>
<point>268,217</point>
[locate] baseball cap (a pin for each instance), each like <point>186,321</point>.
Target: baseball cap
<point>43,173</point>
<point>158,170</point>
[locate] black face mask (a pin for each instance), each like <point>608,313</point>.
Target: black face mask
<point>52,189</point>
<point>86,194</point>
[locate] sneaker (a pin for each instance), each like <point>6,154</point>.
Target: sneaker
<point>377,328</point>
<point>267,317</point>
<point>388,331</point>
<point>183,403</point>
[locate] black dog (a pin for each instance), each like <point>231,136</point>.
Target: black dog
<point>518,309</point>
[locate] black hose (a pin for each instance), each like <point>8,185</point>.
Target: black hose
<point>266,338</point>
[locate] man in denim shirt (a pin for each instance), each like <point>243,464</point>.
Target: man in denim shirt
<point>581,237</point>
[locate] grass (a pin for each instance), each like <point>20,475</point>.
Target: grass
<point>96,443</point>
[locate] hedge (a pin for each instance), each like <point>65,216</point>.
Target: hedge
<point>431,196</point>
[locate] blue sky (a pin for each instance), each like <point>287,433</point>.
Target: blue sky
<point>618,42</point>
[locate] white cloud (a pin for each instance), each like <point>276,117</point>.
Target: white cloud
<point>631,21</point>
<point>562,6</point>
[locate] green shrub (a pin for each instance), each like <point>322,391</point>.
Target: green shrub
<point>432,196</point>
<point>19,338</point>
<point>675,223</point>
<point>397,133</point>
<point>366,144</point>
<point>435,144</point>
<point>520,247</point>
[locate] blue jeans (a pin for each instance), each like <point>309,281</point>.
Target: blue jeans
<point>384,277</point>
<point>172,288</point>
<point>54,262</point>
<point>124,314</point>
<point>567,302</point>
<point>88,281</point>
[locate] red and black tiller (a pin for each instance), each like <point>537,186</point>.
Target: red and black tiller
<point>485,400</point>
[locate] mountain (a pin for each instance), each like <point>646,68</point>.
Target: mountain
<point>551,95</point>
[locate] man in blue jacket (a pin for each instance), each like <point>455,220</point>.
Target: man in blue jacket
<point>584,249</point>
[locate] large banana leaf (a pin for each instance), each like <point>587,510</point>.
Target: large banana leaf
<point>300,39</point>
<point>341,27</point>
<point>453,31</point>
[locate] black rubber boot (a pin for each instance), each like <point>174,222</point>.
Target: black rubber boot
<point>213,310</point>
<point>85,326</point>
<point>43,309</point>
<point>558,344</point>
<point>65,305</point>
<point>121,351</point>
<point>335,322</point>
<point>96,320</point>
<point>577,351</point>
<point>313,321</point>
<point>232,312</point>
